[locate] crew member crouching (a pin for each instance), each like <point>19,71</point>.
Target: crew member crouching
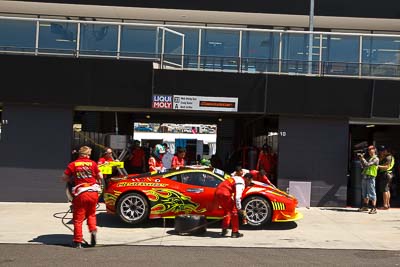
<point>85,173</point>
<point>232,186</point>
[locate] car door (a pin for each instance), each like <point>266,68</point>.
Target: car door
<point>200,187</point>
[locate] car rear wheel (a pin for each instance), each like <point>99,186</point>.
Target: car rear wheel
<point>133,208</point>
<point>258,210</point>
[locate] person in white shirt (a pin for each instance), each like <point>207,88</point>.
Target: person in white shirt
<point>167,158</point>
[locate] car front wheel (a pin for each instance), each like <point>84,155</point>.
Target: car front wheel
<point>258,210</point>
<point>133,208</point>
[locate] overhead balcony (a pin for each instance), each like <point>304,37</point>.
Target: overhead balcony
<point>241,50</point>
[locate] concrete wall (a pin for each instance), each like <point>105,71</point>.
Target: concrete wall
<point>315,150</point>
<point>35,148</point>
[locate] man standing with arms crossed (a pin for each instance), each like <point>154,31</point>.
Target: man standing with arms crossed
<point>385,174</point>
<point>85,174</point>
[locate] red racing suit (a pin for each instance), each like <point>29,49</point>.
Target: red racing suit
<point>177,162</point>
<point>261,178</point>
<point>104,160</point>
<point>84,172</point>
<point>232,186</point>
<point>155,164</point>
<point>267,162</point>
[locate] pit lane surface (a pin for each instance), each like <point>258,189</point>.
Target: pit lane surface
<point>52,255</point>
<point>327,228</point>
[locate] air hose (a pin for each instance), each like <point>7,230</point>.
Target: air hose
<point>55,215</point>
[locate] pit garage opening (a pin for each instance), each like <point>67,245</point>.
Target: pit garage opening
<point>373,132</point>
<point>233,139</point>
<point>199,140</point>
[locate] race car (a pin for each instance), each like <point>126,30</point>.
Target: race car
<point>190,190</point>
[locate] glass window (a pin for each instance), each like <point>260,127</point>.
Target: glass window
<point>220,49</point>
<point>57,37</point>
<point>260,51</point>
<point>138,41</point>
<point>381,56</point>
<point>176,178</point>
<point>97,39</point>
<point>295,52</point>
<point>191,46</point>
<point>210,180</point>
<point>173,48</point>
<point>17,35</point>
<point>341,54</point>
<point>200,179</point>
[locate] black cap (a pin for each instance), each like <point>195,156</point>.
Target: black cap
<point>382,148</point>
<point>248,176</point>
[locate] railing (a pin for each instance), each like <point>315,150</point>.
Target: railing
<point>208,48</point>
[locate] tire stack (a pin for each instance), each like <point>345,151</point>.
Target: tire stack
<point>190,224</point>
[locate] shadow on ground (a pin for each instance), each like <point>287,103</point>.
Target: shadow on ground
<point>54,239</point>
<point>214,234</point>
<point>113,221</point>
<point>341,209</point>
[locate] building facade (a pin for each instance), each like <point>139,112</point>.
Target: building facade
<point>64,62</point>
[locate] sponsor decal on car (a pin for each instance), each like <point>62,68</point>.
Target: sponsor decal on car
<point>168,200</point>
<point>219,172</point>
<point>123,184</point>
<point>110,199</point>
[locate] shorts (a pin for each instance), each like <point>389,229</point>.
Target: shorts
<point>368,188</point>
<point>385,182</point>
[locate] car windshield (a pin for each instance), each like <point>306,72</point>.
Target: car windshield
<point>140,175</point>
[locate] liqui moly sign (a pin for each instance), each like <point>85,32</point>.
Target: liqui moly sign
<point>162,101</point>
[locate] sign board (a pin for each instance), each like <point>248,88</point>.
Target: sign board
<point>205,103</point>
<point>107,168</point>
<point>118,141</point>
<point>162,101</point>
<point>302,191</point>
<point>187,102</point>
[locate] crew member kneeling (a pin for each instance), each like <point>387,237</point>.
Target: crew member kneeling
<point>85,173</point>
<point>232,186</point>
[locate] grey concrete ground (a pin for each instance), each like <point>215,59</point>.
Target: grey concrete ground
<point>323,228</point>
<point>162,256</point>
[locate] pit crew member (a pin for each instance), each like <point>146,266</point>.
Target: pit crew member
<point>84,173</point>
<point>223,194</point>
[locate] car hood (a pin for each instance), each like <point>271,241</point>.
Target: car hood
<point>269,188</point>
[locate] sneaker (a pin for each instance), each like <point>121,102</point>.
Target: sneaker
<point>77,245</point>
<point>93,238</point>
<point>224,232</point>
<point>372,211</point>
<point>236,235</point>
<point>363,209</point>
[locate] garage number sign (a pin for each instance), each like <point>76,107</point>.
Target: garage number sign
<point>204,103</point>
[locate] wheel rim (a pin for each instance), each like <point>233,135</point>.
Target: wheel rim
<point>257,211</point>
<point>132,208</point>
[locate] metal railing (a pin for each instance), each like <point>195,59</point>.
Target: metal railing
<point>209,48</point>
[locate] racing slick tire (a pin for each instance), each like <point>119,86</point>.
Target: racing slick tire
<point>258,210</point>
<point>190,224</point>
<point>133,208</point>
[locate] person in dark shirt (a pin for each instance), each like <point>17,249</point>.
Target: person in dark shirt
<point>385,174</point>
<point>137,160</point>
